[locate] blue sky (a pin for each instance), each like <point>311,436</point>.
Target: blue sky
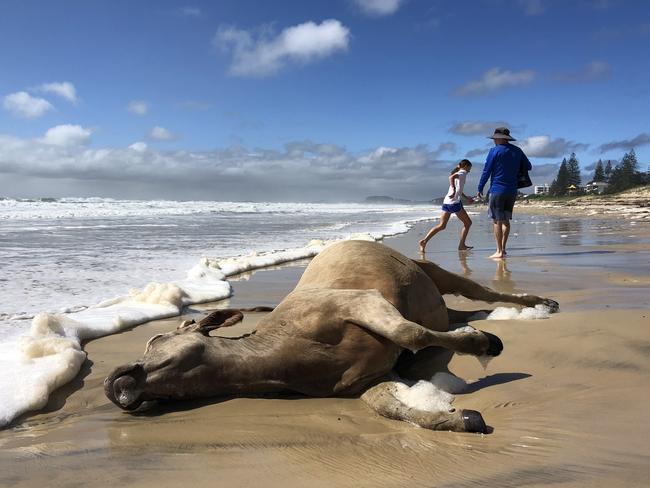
<point>310,99</point>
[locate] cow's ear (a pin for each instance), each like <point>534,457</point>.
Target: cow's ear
<point>215,320</point>
<point>186,325</point>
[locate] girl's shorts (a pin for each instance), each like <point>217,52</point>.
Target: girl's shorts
<point>452,207</point>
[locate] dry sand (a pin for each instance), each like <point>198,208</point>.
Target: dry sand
<point>568,399</point>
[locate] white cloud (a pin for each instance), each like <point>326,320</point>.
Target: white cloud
<point>473,127</point>
<point>138,107</point>
<point>495,79</point>
<point>64,89</point>
<point>22,104</point>
<point>477,152</point>
<point>302,170</point>
<point>379,7</point>
<point>545,147</point>
<point>67,135</point>
<point>139,146</point>
<point>642,139</point>
<point>593,71</point>
<point>161,134</point>
<point>267,55</point>
<point>544,173</point>
<point>532,7</point>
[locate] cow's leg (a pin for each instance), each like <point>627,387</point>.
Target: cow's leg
<point>431,360</point>
<point>370,310</point>
<point>382,398</point>
<point>423,364</point>
<point>462,316</point>
<point>451,283</point>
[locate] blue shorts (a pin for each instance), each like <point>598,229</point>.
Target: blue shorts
<point>452,207</point>
<point>500,206</point>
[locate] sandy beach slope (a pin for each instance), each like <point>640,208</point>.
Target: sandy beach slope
<point>568,398</point>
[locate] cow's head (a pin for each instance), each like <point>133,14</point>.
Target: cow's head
<point>175,365</point>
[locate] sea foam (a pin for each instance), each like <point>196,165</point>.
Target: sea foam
<point>436,395</point>
<point>526,313</point>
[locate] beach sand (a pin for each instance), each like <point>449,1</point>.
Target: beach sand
<point>568,399</point>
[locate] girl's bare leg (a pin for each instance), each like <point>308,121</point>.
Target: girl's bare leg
<point>444,218</point>
<point>467,223</point>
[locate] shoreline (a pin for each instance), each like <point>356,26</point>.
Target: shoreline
<point>630,204</point>
<point>561,397</point>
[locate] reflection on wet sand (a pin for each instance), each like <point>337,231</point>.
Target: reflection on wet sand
<point>462,259</point>
<point>502,280</point>
<point>570,231</point>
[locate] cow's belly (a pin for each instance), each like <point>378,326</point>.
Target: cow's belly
<point>343,368</point>
<point>366,265</point>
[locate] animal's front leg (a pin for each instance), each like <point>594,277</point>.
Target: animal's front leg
<point>451,283</point>
<point>383,399</point>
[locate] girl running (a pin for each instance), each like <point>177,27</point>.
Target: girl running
<point>452,205</point>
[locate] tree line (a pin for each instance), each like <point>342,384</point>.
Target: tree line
<point>622,176</point>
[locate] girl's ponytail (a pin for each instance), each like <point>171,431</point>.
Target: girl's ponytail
<point>464,163</point>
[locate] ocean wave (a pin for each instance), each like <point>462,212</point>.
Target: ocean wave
<point>66,208</point>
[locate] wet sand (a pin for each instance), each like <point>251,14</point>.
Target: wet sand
<point>568,398</point>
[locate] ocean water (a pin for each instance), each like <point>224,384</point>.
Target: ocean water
<point>77,268</point>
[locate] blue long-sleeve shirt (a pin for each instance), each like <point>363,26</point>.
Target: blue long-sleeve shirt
<point>502,167</point>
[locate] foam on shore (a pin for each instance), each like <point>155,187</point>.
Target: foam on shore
<point>526,313</point>
<point>436,395</point>
<point>50,355</point>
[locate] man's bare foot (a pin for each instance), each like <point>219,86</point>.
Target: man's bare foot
<point>497,255</point>
<point>423,245</point>
<point>465,248</point>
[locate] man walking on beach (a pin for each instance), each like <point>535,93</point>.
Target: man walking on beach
<point>503,164</point>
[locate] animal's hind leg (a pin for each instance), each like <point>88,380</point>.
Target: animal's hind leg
<point>431,360</point>
<point>370,310</point>
<point>424,364</point>
<point>451,283</point>
<point>383,399</point>
<point>462,316</point>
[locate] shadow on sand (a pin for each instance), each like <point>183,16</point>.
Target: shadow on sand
<point>494,379</point>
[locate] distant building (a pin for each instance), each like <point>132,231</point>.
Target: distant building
<point>597,187</point>
<point>541,190</point>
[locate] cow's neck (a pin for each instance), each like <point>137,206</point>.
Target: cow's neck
<point>248,365</point>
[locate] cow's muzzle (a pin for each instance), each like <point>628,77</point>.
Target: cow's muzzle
<point>125,385</point>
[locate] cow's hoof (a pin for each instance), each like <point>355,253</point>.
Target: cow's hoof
<point>552,305</point>
<point>473,422</point>
<point>495,346</point>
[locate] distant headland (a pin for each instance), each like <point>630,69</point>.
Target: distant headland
<point>384,199</point>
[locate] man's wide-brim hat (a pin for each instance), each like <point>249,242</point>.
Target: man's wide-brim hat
<point>502,133</point>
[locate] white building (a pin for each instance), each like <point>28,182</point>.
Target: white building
<point>598,187</point>
<point>541,190</point>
